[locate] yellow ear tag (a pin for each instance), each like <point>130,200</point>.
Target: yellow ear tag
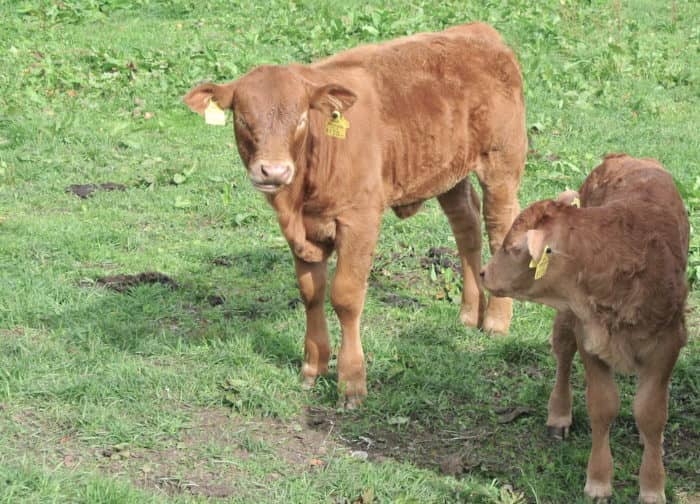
<point>541,265</point>
<point>337,126</point>
<point>576,202</point>
<point>214,115</point>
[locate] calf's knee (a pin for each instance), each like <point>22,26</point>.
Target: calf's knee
<point>347,298</point>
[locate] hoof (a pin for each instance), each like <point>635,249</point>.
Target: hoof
<point>469,317</point>
<point>652,497</point>
<point>598,492</point>
<point>558,433</point>
<point>308,382</point>
<point>349,403</point>
<point>495,326</point>
<point>498,315</point>
<point>598,500</point>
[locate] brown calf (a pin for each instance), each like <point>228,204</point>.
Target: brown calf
<point>334,143</point>
<point>615,271</point>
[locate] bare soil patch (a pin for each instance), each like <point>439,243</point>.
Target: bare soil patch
<point>122,283</point>
<point>442,258</point>
<point>86,190</point>
<point>207,459</point>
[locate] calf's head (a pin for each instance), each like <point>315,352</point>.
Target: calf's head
<point>532,263</point>
<point>271,107</point>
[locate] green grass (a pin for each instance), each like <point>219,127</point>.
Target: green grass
<point>109,397</point>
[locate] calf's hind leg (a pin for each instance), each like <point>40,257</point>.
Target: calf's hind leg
<point>651,413</point>
<point>499,174</point>
<point>461,206</point>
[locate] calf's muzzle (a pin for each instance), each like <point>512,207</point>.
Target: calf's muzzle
<point>270,176</point>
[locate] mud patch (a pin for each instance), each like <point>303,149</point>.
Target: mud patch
<point>293,304</point>
<point>86,190</point>
<point>441,258</point>
<point>122,283</point>
<point>215,300</point>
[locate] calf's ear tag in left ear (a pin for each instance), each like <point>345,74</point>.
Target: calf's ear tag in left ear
<point>337,126</point>
<point>214,115</point>
<point>541,265</point>
<point>576,202</point>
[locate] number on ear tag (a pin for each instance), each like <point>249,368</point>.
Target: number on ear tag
<point>337,126</point>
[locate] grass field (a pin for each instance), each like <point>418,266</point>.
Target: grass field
<point>189,391</point>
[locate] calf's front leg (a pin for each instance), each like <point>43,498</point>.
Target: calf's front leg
<point>560,400</point>
<point>312,286</point>
<point>355,242</point>
<point>603,406</point>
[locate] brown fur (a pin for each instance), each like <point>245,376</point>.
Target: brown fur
<point>617,275</point>
<point>424,112</point>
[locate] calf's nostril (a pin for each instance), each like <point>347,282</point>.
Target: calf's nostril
<point>482,273</point>
<point>264,171</point>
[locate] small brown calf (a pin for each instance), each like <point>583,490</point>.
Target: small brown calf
<point>334,143</point>
<point>615,269</point>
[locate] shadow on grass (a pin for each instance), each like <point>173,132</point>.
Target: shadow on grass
<point>446,408</point>
<point>436,402</point>
<point>243,295</point>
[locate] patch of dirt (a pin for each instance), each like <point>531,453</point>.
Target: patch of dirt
<point>122,283</point>
<point>215,300</point>
<point>493,448</point>
<point>442,449</point>
<point>226,261</point>
<point>250,312</point>
<point>207,459</point>
<point>292,304</point>
<point>15,331</point>
<point>86,190</point>
<point>442,258</point>
<point>403,258</point>
<point>397,266</point>
<point>188,468</point>
<point>508,415</point>
<point>400,301</point>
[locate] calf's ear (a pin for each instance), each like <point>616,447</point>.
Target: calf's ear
<point>536,243</point>
<point>332,97</point>
<point>570,197</point>
<point>199,97</point>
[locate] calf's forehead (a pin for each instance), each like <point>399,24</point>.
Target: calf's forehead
<point>534,216</point>
<point>272,93</point>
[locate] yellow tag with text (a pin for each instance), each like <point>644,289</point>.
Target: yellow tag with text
<point>541,265</point>
<point>337,126</point>
<point>576,202</point>
<point>214,115</point>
